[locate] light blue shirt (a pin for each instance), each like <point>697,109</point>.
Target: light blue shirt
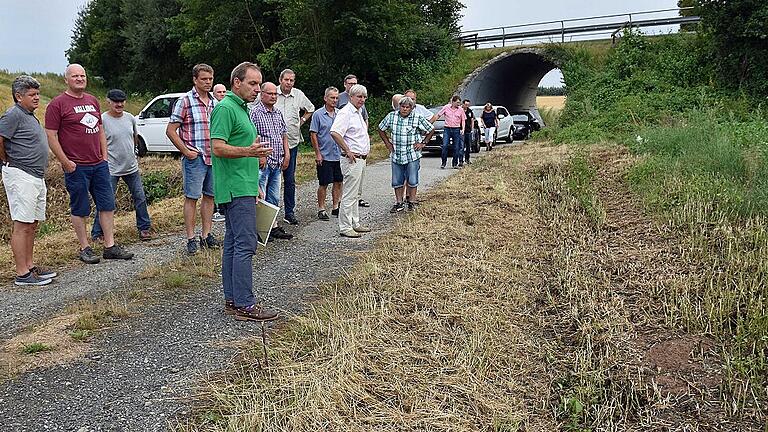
<point>321,124</point>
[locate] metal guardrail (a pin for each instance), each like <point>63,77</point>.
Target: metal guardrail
<point>502,34</point>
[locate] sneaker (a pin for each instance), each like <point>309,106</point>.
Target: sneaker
<point>398,207</point>
<point>229,307</point>
<point>335,212</point>
<point>43,272</point>
<point>322,215</point>
<point>442,166</point>
<point>191,246</point>
<point>209,242</point>
<point>363,203</point>
<point>117,252</point>
<point>146,235</point>
<point>461,165</point>
<point>362,229</point>
<point>218,217</point>
<point>88,256</point>
<point>411,206</point>
<point>469,162</point>
<point>31,279</point>
<point>350,234</point>
<point>455,167</point>
<point>254,313</point>
<point>291,219</point>
<point>279,233</point>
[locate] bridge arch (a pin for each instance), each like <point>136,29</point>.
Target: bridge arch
<point>510,79</point>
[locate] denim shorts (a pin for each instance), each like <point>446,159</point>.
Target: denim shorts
<point>198,178</point>
<point>409,171</point>
<point>93,179</point>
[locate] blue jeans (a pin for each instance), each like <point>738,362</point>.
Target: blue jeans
<point>269,182</point>
<point>289,179</point>
<point>451,133</point>
<point>133,181</point>
<point>239,247</point>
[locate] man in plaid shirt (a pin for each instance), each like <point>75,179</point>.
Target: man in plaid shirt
<point>270,124</point>
<point>189,131</point>
<point>409,132</point>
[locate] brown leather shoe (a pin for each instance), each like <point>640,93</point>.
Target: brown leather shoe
<point>145,235</point>
<point>229,308</point>
<point>255,313</point>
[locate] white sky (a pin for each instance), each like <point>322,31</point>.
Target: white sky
<point>36,33</point>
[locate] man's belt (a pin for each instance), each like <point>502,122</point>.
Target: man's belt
<point>359,156</point>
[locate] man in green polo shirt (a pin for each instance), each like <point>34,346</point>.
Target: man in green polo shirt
<point>236,153</point>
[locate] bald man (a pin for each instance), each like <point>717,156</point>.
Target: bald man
<point>76,137</point>
<point>219,91</point>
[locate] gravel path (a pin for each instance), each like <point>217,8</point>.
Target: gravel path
<point>138,374</point>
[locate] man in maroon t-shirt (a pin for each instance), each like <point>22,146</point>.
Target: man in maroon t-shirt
<point>76,138</point>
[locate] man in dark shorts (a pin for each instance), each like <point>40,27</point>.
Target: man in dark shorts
<point>327,154</point>
<point>77,139</point>
<point>469,129</point>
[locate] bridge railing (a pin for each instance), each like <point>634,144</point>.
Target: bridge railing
<point>595,27</point>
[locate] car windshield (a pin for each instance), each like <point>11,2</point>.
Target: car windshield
<point>519,118</point>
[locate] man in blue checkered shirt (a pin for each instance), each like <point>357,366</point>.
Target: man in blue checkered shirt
<point>408,132</point>
<point>272,132</point>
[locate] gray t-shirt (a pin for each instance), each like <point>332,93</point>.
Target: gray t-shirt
<point>26,146</point>
<point>120,143</point>
<point>344,99</point>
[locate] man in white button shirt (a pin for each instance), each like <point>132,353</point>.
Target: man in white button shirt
<point>350,132</point>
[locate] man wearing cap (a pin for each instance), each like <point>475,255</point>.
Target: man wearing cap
<point>120,129</point>
<point>24,155</point>
<point>76,138</point>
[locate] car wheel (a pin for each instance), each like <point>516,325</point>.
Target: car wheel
<point>141,148</point>
<point>476,142</point>
<point>509,137</point>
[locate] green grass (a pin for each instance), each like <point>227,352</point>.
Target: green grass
<point>35,348</point>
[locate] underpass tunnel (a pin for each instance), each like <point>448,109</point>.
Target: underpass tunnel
<point>510,80</point>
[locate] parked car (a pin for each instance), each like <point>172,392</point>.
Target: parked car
<point>152,122</point>
<point>525,124</point>
<point>435,144</point>
<point>506,122</point>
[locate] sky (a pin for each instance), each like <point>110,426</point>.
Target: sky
<point>36,33</point>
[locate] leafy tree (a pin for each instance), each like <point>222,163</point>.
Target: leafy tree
<point>738,31</point>
<point>97,42</point>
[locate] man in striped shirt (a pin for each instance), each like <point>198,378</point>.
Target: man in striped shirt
<point>408,133</point>
<point>189,131</point>
<point>271,128</point>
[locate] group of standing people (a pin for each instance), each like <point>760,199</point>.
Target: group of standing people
<point>237,147</point>
<point>95,151</point>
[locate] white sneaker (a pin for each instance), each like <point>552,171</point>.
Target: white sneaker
<point>218,217</point>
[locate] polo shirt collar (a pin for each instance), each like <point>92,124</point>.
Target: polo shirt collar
<point>236,99</point>
<point>24,110</point>
<point>328,113</point>
<point>286,95</point>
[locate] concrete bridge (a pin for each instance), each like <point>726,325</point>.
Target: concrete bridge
<point>512,78</point>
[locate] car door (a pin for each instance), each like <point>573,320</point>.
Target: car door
<point>505,121</point>
<point>152,122</point>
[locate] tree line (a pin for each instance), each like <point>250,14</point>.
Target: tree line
<point>151,45</point>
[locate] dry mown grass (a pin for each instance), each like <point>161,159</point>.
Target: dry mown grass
<point>527,299</point>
